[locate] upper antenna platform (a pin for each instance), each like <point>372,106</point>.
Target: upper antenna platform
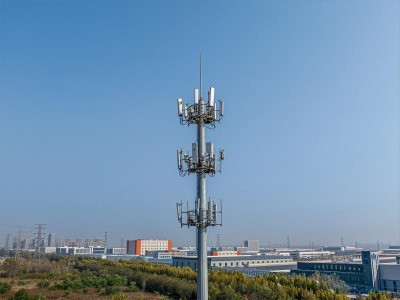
<point>201,111</point>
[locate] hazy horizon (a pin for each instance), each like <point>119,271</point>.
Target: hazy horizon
<point>89,123</point>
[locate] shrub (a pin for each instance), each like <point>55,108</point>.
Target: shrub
<point>4,287</point>
<point>133,288</point>
<point>43,284</point>
<point>68,292</point>
<point>22,294</point>
<point>23,282</point>
<point>119,296</point>
<point>111,290</point>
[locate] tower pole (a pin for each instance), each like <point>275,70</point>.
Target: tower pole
<point>202,270</point>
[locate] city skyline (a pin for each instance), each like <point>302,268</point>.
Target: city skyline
<point>113,241</point>
<point>311,135</point>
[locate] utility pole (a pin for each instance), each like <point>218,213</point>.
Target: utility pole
<point>202,162</point>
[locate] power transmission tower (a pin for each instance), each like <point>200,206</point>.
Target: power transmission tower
<point>288,241</point>
<point>105,240</point>
<point>202,162</point>
<point>18,245</point>
<point>7,247</point>
<point>40,233</point>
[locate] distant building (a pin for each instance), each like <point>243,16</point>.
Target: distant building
<point>51,240</point>
<point>141,246</point>
<point>116,251</point>
<point>50,250</point>
<point>98,242</point>
<point>72,250</point>
<point>224,253</point>
<point>372,273</point>
<point>161,254</point>
<point>310,254</point>
<point>222,262</point>
<point>241,249</point>
<point>88,243</point>
<point>351,273</point>
<point>98,250</point>
<point>252,245</point>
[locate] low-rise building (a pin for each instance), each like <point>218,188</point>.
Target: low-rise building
<point>218,262</point>
<point>161,254</point>
<point>297,254</point>
<point>141,246</point>
<point>116,251</point>
<point>371,273</point>
<point>74,250</point>
<point>224,253</point>
<point>351,273</point>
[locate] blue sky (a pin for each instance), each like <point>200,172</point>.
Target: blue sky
<point>89,129</point>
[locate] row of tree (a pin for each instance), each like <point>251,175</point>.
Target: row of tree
<point>107,277</point>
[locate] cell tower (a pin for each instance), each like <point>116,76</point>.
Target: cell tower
<point>202,162</point>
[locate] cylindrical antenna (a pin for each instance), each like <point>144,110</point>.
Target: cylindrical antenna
<point>200,76</point>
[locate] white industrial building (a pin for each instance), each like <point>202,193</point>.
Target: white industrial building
<point>252,245</point>
<point>298,254</point>
<point>217,262</point>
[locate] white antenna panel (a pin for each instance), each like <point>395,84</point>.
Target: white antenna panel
<point>185,111</point>
<point>195,153</point>
<point>179,211</point>
<point>215,213</point>
<point>211,96</point>
<point>221,108</point>
<point>209,211</point>
<point>179,155</point>
<point>210,148</point>
<point>196,96</point>
<point>180,106</point>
